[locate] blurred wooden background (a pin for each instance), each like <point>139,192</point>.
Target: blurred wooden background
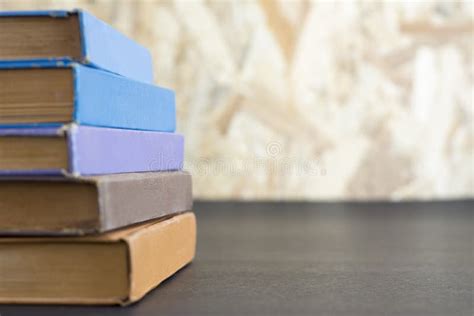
<point>312,100</point>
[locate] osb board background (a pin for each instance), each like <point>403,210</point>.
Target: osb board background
<point>312,100</point>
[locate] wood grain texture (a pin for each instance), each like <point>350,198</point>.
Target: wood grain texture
<point>312,99</point>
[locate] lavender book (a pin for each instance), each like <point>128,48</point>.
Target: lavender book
<point>76,150</point>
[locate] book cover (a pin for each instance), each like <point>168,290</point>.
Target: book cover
<point>76,150</point>
<point>119,267</point>
<point>39,38</point>
<point>55,95</point>
<point>90,205</point>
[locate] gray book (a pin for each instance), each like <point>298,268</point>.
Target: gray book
<point>87,205</point>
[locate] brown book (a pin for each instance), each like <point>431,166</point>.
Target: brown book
<point>114,268</point>
<point>76,206</point>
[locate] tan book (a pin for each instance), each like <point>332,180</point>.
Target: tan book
<point>114,268</point>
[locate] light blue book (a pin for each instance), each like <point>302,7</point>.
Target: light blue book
<point>52,96</point>
<point>45,38</point>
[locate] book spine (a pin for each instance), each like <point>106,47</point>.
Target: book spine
<point>104,47</point>
<point>107,100</point>
<point>158,251</point>
<point>95,151</point>
<point>149,197</point>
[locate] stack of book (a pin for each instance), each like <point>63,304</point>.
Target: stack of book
<point>94,205</point>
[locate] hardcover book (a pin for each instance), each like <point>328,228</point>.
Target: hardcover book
<point>42,38</point>
<point>78,206</point>
<point>115,268</point>
<point>77,150</point>
<point>74,93</point>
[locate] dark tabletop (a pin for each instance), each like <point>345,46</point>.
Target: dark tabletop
<point>316,259</point>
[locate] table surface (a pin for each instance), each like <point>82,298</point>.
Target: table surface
<point>316,258</point>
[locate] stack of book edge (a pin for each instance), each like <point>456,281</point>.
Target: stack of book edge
<point>94,205</point>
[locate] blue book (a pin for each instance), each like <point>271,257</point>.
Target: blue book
<point>39,38</point>
<point>71,93</point>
